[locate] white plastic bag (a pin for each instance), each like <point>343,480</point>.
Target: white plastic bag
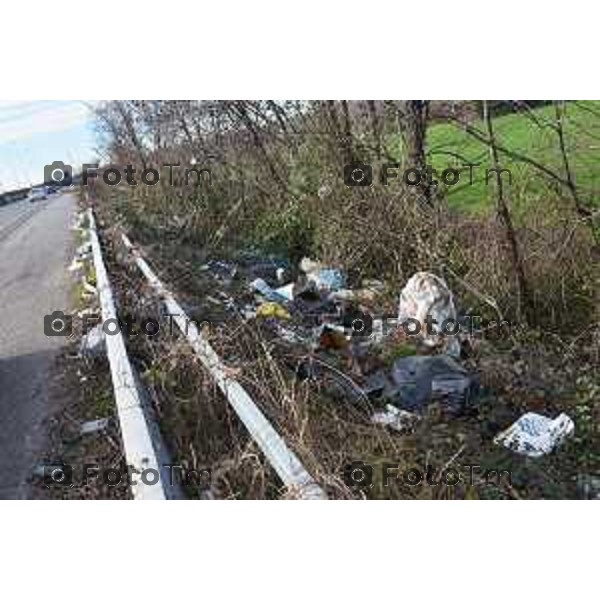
<point>535,435</point>
<point>395,418</point>
<point>427,295</point>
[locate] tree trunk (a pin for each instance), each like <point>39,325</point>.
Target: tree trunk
<point>413,116</point>
<point>525,304</point>
<point>582,212</point>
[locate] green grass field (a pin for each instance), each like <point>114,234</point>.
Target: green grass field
<point>519,133</point>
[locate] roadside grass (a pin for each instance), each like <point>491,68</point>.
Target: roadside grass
<point>519,133</point>
<point>81,391</point>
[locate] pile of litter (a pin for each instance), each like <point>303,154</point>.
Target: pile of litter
<point>312,309</point>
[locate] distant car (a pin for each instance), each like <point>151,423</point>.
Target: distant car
<point>37,194</point>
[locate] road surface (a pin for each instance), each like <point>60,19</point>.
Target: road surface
<point>36,246</point>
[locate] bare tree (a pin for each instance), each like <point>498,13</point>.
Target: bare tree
<point>512,249</point>
<point>413,116</point>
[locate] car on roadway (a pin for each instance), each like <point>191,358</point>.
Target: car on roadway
<point>37,194</point>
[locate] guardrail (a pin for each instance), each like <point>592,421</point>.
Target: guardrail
<point>141,442</point>
<point>285,463</point>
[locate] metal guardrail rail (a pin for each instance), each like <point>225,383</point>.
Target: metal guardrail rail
<point>283,460</point>
<point>141,444</point>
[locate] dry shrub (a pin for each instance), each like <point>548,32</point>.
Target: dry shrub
<point>559,260</point>
<point>377,233</point>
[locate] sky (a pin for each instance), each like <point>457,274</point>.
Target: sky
<point>36,133</point>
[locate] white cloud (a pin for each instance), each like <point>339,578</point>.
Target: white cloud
<point>21,120</point>
<point>33,133</point>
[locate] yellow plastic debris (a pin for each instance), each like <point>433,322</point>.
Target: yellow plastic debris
<point>272,309</point>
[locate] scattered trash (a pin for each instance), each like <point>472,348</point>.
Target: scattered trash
<point>222,271</point>
<point>395,418</point>
<point>94,426</point>
<point>79,222</point>
<point>290,336</point>
<point>272,310</point>
<point>366,296</point>
<point>374,285</point>
<point>84,251</point>
<point>88,288</point>
<point>427,296</point>
<point>588,486</point>
<point>227,301</point>
<point>376,384</point>
<point>332,337</point>
<point>424,380</point>
<point>280,274</point>
<point>318,306</point>
<point>263,288</point>
<point>326,279</point>
<point>93,344</point>
<point>343,295</point>
<point>248,313</point>
<point>287,291</point>
<point>535,435</point>
<point>273,269</point>
<point>76,265</point>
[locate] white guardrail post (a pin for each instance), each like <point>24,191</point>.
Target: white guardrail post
<point>286,464</point>
<point>139,442</point>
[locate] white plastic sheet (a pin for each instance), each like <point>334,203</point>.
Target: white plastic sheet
<point>535,435</point>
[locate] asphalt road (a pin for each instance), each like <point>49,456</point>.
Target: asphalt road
<point>36,246</point>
